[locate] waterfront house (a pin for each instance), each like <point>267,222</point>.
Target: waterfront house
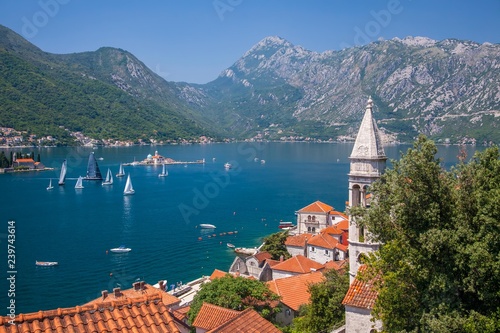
<point>256,266</point>
<point>313,217</point>
<point>295,266</point>
<point>296,244</point>
<point>294,292</point>
<point>28,163</point>
<point>324,247</point>
<point>216,319</point>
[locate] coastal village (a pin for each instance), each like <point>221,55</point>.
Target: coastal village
<point>322,239</point>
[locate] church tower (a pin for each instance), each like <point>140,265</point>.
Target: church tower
<point>366,166</point>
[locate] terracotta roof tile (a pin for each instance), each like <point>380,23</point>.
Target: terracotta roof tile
<point>297,240</point>
<point>343,225</point>
<point>298,264</point>
<point>261,256</point>
<point>332,230</point>
<point>217,274</point>
<point>139,290</point>
<point>316,207</point>
<point>145,314</point>
<point>247,321</point>
<point>272,262</point>
<point>323,240</point>
<point>294,290</point>
<point>339,265</point>
<point>361,294</point>
<point>212,316</point>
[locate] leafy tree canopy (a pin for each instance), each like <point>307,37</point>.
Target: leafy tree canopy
<point>235,293</point>
<point>275,245</point>
<point>440,232</point>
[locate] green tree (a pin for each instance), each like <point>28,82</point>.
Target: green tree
<point>4,162</point>
<point>235,293</point>
<point>439,259</point>
<point>275,245</point>
<point>325,310</point>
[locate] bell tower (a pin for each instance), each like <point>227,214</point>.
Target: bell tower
<point>366,166</point>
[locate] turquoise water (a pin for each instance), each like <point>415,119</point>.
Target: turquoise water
<point>159,222</point>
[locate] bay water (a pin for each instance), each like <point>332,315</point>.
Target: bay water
<point>160,223</point>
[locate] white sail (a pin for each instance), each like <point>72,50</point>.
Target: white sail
<point>109,178</point>
<point>120,172</point>
<point>129,189</point>
<point>164,172</point>
<point>62,176</point>
<point>79,182</point>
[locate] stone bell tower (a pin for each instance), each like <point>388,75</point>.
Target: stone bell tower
<point>366,166</point>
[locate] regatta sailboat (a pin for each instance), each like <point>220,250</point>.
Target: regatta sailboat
<point>50,187</point>
<point>164,172</point>
<point>129,189</point>
<point>120,173</point>
<point>79,182</point>
<point>93,171</point>
<point>62,175</point>
<point>109,178</point>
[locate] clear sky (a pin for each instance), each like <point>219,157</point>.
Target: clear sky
<point>195,40</point>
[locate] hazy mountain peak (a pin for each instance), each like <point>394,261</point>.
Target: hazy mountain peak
<point>416,41</point>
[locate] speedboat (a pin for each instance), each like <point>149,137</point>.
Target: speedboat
<point>46,263</point>
<point>207,226</point>
<point>228,166</point>
<point>121,249</point>
<point>231,246</point>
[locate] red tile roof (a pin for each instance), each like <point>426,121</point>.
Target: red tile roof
<point>135,293</point>
<point>141,315</point>
<point>298,264</point>
<point>294,290</point>
<point>25,160</point>
<point>323,240</point>
<point>339,265</point>
<point>332,230</point>
<point>247,321</point>
<point>361,294</point>
<point>343,225</point>
<point>339,214</point>
<point>316,207</point>
<point>297,240</point>
<point>261,256</point>
<point>217,274</point>
<point>212,316</point>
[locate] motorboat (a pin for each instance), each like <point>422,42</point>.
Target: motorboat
<point>46,263</point>
<point>231,246</point>
<point>207,226</point>
<point>121,249</point>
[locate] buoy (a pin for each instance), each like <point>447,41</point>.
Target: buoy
<point>199,238</point>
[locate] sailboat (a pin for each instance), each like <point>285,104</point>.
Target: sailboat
<point>109,178</point>
<point>164,172</point>
<point>120,173</point>
<point>93,171</point>
<point>129,189</point>
<point>79,182</point>
<point>50,187</point>
<point>62,175</point>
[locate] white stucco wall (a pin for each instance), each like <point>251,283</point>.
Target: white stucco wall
<point>295,250</point>
<point>319,254</point>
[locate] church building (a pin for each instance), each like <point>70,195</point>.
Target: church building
<point>367,163</point>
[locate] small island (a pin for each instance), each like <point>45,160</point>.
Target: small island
<point>157,159</point>
<point>19,162</point>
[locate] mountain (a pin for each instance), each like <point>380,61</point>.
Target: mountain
<point>106,94</point>
<point>448,90</point>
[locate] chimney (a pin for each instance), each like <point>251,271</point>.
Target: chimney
<point>162,283</point>
<point>116,292</point>
<point>104,294</point>
<point>143,285</point>
<point>136,286</point>
<point>281,258</point>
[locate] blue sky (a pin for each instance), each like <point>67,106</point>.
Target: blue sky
<point>194,40</point>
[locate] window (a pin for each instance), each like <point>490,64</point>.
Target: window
<point>313,230</point>
<point>309,218</point>
<point>314,218</point>
<point>326,252</point>
<point>313,249</point>
<point>309,229</point>
<point>288,312</point>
